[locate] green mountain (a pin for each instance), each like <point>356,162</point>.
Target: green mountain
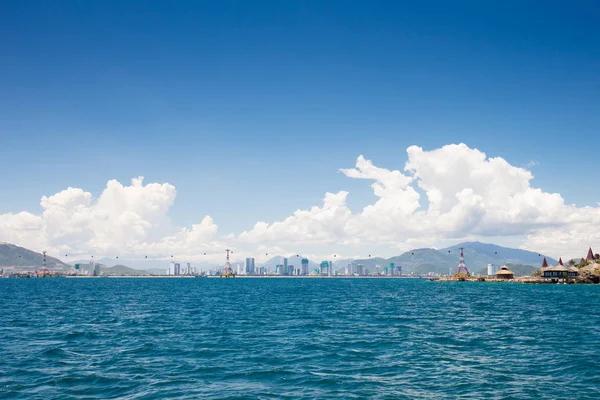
<point>23,259</point>
<point>122,270</point>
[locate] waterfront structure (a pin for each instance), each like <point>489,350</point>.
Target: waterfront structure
<point>286,270</point>
<point>491,270</point>
<point>97,270</point>
<point>505,273</point>
<point>391,269</point>
<point>305,266</point>
<point>559,271</point>
<point>462,270</point>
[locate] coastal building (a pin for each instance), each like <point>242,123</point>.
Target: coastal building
<point>559,271</point>
<point>505,273</point>
<point>97,270</point>
<point>249,266</point>
<point>360,269</point>
<point>590,255</point>
<point>323,268</point>
<point>305,266</point>
<point>285,267</point>
<point>348,270</point>
<point>491,269</point>
<point>573,271</point>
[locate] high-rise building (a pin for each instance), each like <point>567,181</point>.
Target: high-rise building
<point>176,269</point>
<point>324,267</point>
<point>491,270</point>
<point>285,266</point>
<point>391,269</point>
<point>305,266</point>
<point>249,266</point>
<point>349,270</point>
<point>97,270</point>
<point>360,269</point>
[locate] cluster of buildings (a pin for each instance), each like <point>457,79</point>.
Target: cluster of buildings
<point>175,269</point>
<point>91,269</point>
<point>587,265</point>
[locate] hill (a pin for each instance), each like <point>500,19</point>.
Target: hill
<point>122,270</point>
<point>22,259</point>
<point>477,256</point>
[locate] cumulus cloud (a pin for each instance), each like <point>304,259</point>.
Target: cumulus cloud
<point>438,197</point>
<point>469,195</point>
<point>126,220</point>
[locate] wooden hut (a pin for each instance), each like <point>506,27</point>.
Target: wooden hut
<point>505,273</point>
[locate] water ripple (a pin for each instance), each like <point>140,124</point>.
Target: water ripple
<point>296,338</point>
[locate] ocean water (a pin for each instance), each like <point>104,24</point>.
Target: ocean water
<point>297,338</point>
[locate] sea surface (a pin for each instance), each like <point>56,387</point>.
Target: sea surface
<point>297,338</point>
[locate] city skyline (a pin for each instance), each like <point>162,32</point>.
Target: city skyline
<point>298,128</point>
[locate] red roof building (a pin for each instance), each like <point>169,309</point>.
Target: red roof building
<point>590,255</point>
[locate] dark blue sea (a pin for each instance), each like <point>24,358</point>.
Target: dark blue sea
<point>297,338</point>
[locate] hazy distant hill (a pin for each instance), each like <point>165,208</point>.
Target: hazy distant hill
<point>24,259</point>
<point>122,270</point>
<point>477,256</point>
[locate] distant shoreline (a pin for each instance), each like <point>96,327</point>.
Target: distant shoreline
<point>244,277</point>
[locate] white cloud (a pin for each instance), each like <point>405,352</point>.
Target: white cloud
<point>125,220</point>
<point>469,196</point>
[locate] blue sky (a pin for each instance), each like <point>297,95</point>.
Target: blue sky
<point>250,108</point>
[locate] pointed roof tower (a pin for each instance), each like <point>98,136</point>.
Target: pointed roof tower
<point>590,255</point>
<point>544,263</point>
<point>582,260</point>
<point>560,261</point>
